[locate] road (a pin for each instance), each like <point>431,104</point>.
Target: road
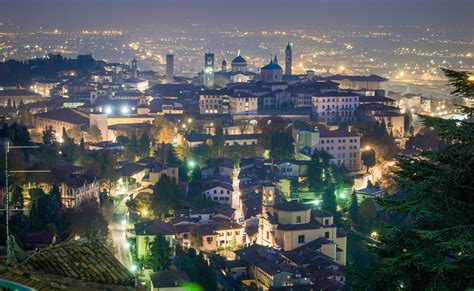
<point>118,230</point>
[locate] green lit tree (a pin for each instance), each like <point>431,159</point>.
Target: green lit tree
<point>166,196</point>
<point>160,258</point>
<point>354,208</point>
<point>329,199</point>
<point>281,146</point>
<point>434,248</point>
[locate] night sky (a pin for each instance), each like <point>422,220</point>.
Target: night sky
<point>72,15</point>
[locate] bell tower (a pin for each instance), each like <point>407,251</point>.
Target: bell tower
<point>288,59</point>
<point>268,198</point>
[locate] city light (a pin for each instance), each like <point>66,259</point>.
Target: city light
<point>133,268</point>
<point>191,164</point>
<point>124,109</point>
<point>108,110</point>
<point>123,222</point>
<point>367,148</point>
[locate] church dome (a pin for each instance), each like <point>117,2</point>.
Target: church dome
<point>239,60</point>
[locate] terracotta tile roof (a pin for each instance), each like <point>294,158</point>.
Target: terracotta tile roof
<point>87,260</point>
<point>10,277</point>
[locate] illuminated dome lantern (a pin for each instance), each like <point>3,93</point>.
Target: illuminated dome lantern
<point>239,64</point>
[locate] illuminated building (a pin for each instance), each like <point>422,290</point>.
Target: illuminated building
<point>288,60</point>
<point>272,72</point>
<point>169,68</point>
<point>209,69</point>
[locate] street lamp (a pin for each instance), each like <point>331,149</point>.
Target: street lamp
<point>367,148</point>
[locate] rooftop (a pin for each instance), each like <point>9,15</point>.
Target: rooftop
<point>291,206</point>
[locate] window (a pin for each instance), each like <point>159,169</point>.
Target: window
<point>209,240</point>
<point>326,221</point>
<point>268,235</point>
<point>326,234</point>
<point>298,219</point>
<point>301,239</point>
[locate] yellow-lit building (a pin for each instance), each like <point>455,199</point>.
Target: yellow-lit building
<point>290,225</point>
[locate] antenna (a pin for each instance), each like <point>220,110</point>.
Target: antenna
<point>10,239</point>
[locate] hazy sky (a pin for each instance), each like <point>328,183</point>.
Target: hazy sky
<point>130,14</point>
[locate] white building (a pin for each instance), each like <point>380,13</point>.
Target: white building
<point>243,103</point>
<point>219,192</point>
<point>76,189</point>
<point>336,106</point>
<point>214,102</point>
<point>343,146</point>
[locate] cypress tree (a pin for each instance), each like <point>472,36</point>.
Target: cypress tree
<point>433,249</point>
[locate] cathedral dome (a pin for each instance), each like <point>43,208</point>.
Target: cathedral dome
<point>239,60</point>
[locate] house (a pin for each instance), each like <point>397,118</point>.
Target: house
<point>293,168</point>
<point>241,139</point>
<point>219,191</point>
<point>195,139</point>
<point>18,96</point>
<point>343,146</point>
<point>78,188</point>
<point>171,280</point>
<point>70,119</point>
<point>243,103</point>
<point>157,169</point>
<point>290,225</point>
<point>146,232</point>
<point>334,107</point>
<point>221,167</point>
<point>50,268</point>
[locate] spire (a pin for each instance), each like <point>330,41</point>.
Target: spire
<point>238,52</point>
<point>275,60</point>
<point>271,59</point>
<point>288,47</point>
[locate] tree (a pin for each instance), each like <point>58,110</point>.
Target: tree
<point>367,213</point>
<point>318,170</point>
<point>425,140</point>
<point>433,249</point>
<point>39,211</point>
<point>95,226</point>
<point>17,197</point>
<point>163,130</point>
<point>270,126</point>
<point>368,158</point>
<point>354,208</point>
<point>160,258</point>
<point>218,141</point>
<point>144,145</point>
<point>68,147</point>
<point>281,146</point>
<point>133,148</point>
<point>166,196</point>
<point>94,133</point>
<point>198,269</point>
<point>55,203</point>
<point>49,137</point>
<point>329,199</point>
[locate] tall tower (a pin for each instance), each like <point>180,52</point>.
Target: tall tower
<point>134,68</point>
<point>169,68</point>
<point>224,66</point>
<point>209,69</point>
<point>288,59</point>
<point>268,197</point>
